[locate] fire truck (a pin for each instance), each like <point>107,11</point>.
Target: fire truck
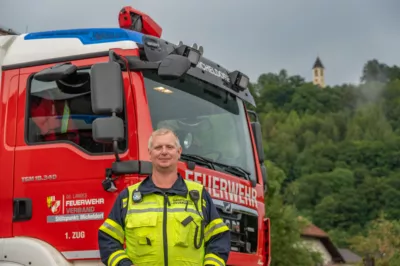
<point>76,112</point>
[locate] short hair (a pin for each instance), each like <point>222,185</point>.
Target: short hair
<point>163,131</point>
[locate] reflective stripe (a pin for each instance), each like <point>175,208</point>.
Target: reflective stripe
<point>212,259</point>
<point>113,229</point>
<point>162,209</point>
<point>215,227</point>
<point>124,202</point>
<point>83,254</point>
<point>116,257</point>
<point>65,118</point>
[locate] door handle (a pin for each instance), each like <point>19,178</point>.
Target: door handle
<point>22,209</point>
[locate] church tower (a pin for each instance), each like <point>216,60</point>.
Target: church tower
<point>318,73</point>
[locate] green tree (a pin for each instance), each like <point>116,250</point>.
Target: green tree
<point>333,154</point>
<point>285,226</point>
<point>382,242</point>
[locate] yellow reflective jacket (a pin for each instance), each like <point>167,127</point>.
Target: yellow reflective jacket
<point>178,227</point>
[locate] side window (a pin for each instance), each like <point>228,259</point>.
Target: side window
<point>61,111</point>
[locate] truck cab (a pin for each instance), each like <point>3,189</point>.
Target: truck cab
<point>77,108</point>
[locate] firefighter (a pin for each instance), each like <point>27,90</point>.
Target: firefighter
<point>50,105</point>
<point>165,219</point>
<point>45,112</point>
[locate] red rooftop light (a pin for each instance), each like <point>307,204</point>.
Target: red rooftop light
<point>130,18</point>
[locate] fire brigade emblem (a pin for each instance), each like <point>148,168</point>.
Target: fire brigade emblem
<point>53,204</point>
<point>137,196</point>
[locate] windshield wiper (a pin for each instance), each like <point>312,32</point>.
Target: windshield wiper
<point>198,159</point>
<point>236,170</point>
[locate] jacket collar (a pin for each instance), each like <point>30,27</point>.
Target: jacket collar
<point>178,188</point>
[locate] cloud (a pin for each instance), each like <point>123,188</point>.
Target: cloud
<point>255,36</point>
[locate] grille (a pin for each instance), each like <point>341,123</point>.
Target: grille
<point>243,223</point>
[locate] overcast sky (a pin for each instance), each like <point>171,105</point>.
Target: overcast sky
<point>253,36</point>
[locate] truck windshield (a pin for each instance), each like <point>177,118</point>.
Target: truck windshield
<point>209,121</point>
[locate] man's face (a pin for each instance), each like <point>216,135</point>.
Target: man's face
<point>164,153</point>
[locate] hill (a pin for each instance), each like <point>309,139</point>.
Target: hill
<point>333,156</point>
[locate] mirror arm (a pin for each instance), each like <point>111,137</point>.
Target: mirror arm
<point>121,60</point>
<point>115,147</point>
<point>112,56</point>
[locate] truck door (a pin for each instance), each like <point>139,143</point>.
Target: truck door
<point>59,168</point>
<point>8,108</point>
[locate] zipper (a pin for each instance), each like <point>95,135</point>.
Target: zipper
<point>165,240</point>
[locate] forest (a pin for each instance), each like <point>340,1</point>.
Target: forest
<point>333,158</point>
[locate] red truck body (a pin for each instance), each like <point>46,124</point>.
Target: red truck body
<point>51,197</point>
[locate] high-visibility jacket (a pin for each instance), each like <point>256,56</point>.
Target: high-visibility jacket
<point>45,114</point>
<point>179,226</point>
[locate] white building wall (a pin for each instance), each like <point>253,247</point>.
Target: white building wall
<point>316,245</point>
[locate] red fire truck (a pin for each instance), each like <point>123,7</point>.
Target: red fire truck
<point>77,108</point>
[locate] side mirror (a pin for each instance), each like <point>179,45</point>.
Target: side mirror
<point>56,72</point>
<point>264,177</point>
<point>106,88</point>
<point>256,127</point>
<point>107,98</point>
<point>108,129</point>
<point>173,66</point>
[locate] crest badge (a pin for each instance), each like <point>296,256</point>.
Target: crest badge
<point>137,196</point>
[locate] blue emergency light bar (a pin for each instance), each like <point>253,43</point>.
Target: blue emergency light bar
<point>90,36</point>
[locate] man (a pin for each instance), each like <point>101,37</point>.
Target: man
<point>164,219</point>
<point>45,113</point>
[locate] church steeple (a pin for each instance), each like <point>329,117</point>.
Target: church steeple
<point>318,73</point>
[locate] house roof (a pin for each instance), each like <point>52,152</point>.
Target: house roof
<point>313,231</point>
<point>349,256</point>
